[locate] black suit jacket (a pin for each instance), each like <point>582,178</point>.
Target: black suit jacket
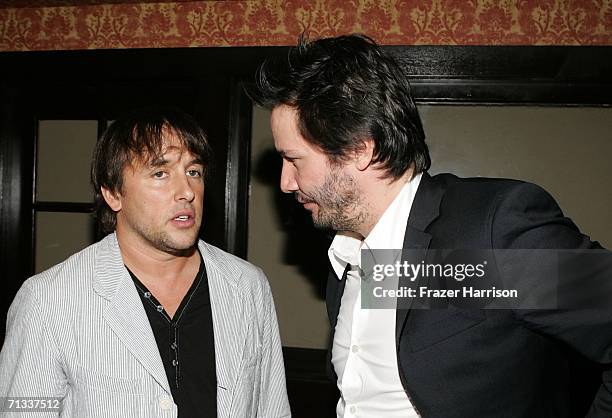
<point>494,363</point>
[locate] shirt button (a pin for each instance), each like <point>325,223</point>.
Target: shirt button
<point>165,403</point>
<point>173,346</point>
<point>147,295</point>
<point>355,348</point>
<point>353,409</point>
<point>160,308</point>
<point>174,362</point>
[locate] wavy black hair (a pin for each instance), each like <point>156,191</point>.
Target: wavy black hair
<point>139,136</point>
<point>347,90</point>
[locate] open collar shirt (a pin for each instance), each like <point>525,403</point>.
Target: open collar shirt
<point>363,351</point>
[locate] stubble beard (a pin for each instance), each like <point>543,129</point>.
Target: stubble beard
<point>340,203</point>
<point>163,241</point>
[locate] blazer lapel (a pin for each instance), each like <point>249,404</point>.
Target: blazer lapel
<point>125,314</point>
<point>229,325</point>
<point>425,209</point>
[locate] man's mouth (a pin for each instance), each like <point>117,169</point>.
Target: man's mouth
<point>303,201</point>
<point>307,204</point>
<point>184,218</point>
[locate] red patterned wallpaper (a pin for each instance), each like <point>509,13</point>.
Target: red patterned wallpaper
<point>61,24</point>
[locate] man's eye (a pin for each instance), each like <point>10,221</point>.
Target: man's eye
<point>194,173</point>
<point>159,174</point>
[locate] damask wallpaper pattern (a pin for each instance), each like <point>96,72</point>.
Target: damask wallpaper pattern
<point>95,24</point>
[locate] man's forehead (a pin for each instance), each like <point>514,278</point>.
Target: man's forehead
<point>169,153</point>
<point>298,146</point>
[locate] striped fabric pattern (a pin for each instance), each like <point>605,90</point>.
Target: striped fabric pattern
<point>78,331</point>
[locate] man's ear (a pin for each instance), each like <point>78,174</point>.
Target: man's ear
<point>113,199</point>
<point>365,154</point>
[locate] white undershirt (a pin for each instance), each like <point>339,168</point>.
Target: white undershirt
<point>363,352</point>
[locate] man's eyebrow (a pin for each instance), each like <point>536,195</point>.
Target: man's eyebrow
<point>158,162</point>
<point>196,160</point>
<point>161,161</point>
<point>283,153</point>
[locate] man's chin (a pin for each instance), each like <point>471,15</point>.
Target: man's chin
<point>321,223</point>
<point>310,206</point>
<point>179,252</point>
<point>181,246</point>
<point>179,249</point>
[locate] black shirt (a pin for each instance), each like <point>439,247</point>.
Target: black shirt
<point>186,345</point>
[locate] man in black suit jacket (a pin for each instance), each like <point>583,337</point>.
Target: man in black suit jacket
<point>354,155</point>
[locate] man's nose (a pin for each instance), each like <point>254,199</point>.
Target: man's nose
<point>184,189</point>
<point>288,184</point>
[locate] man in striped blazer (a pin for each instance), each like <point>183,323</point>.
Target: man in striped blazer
<point>150,321</point>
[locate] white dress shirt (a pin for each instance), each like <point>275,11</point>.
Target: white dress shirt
<point>363,352</point>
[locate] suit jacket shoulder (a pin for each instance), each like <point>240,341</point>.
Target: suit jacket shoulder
<point>501,213</point>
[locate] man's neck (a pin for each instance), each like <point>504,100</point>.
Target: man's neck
<point>379,194</point>
<point>149,263</point>
<point>167,276</point>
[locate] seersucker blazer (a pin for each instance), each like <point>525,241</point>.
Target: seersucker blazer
<point>79,332</point>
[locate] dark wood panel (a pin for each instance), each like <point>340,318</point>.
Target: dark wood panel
<point>570,69</point>
<point>238,172</point>
<point>16,148</point>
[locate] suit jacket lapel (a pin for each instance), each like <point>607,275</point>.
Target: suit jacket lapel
<point>333,297</point>
<point>125,314</point>
<point>425,209</point>
<point>335,289</point>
